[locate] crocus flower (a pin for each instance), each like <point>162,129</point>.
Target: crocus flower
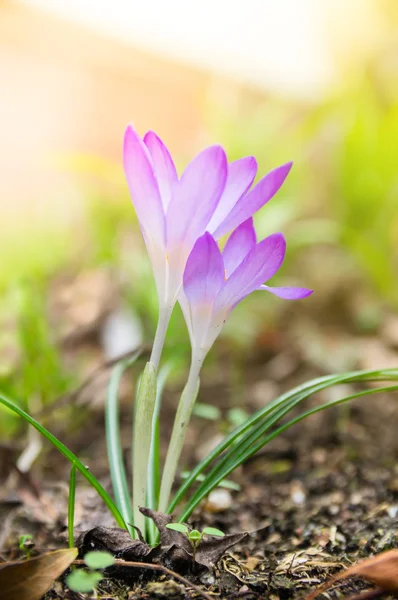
<point>215,282</point>
<point>174,212</point>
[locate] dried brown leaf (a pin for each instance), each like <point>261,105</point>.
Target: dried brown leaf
<point>31,579</point>
<point>381,570</point>
<point>209,551</point>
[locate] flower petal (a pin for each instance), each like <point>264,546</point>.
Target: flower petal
<point>254,200</point>
<point>204,271</point>
<point>196,197</point>
<point>288,293</point>
<point>238,246</point>
<point>143,187</point>
<point>203,279</point>
<point>241,174</point>
<point>259,265</point>
<point>164,167</point>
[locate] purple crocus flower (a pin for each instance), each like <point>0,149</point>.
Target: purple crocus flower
<point>215,282</point>
<point>174,212</point>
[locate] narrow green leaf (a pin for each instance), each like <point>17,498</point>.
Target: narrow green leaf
<point>114,445</point>
<point>69,456</point>
<point>238,442</point>
<point>71,506</point>
<point>227,484</point>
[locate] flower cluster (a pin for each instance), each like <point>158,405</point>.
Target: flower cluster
<point>181,219</point>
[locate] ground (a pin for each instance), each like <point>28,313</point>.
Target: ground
<point>318,498</point>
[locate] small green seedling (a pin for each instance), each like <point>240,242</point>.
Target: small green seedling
<point>26,544</point>
<point>194,536</point>
<point>86,580</point>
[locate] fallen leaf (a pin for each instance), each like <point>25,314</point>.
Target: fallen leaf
<point>174,551</point>
<point>31,579</point>
<point>381,570</point>
<point>208,552</point>
<point>114,540</point>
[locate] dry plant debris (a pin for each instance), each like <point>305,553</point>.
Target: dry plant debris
<point>31,579</point>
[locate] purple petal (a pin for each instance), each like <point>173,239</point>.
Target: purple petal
<point>196,197</point>
<point>164,167</point>
<point>259,265</point>
<point>241,174</point>
<point>288,293</point>
<point>204,271</point>
<point>143,187</point>
<point>238,246</point>
<point>254,200</point>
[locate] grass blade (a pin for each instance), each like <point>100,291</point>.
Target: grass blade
<point>235,459</point>
<point>114,446</point>
<point>71,506</point>
<point>69,456</point>
<point>259,419</point>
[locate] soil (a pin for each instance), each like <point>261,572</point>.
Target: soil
<point>319,498</point>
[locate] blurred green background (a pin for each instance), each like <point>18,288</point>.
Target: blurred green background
<point>73,262</point>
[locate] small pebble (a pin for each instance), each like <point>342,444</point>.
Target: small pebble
<point>218,501</point>
<point>297,493</point>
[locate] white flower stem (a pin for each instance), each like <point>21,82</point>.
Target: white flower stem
<point>160,335</point>
<point>181,421</point>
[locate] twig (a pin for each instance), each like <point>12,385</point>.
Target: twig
<point>139,565</point>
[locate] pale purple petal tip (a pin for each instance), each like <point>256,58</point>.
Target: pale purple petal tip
<point>163,165</point>
<point>250,203</point>
<point>288,293</point>
<point>196,197</point>
<point>262,262</point>
<point>143,186</point>
<point>241,174</point>
<point>204,271</point>
<point>238,246</point>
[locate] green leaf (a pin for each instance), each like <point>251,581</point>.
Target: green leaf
<point>225,483</point>
<point>69,456</point>
<point>195,536</point>
<point>113,443</point>
<point>22,541</point>
<point>82,581</point>
<point>213,531</point>
<point>206,411</point>
<point>99,560</point>
<point>252,435</point>
<point>177,527</point>
<point>71,506</point>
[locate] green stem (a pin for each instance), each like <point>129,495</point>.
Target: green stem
<point>142,435</point>
<point>181,421</point>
